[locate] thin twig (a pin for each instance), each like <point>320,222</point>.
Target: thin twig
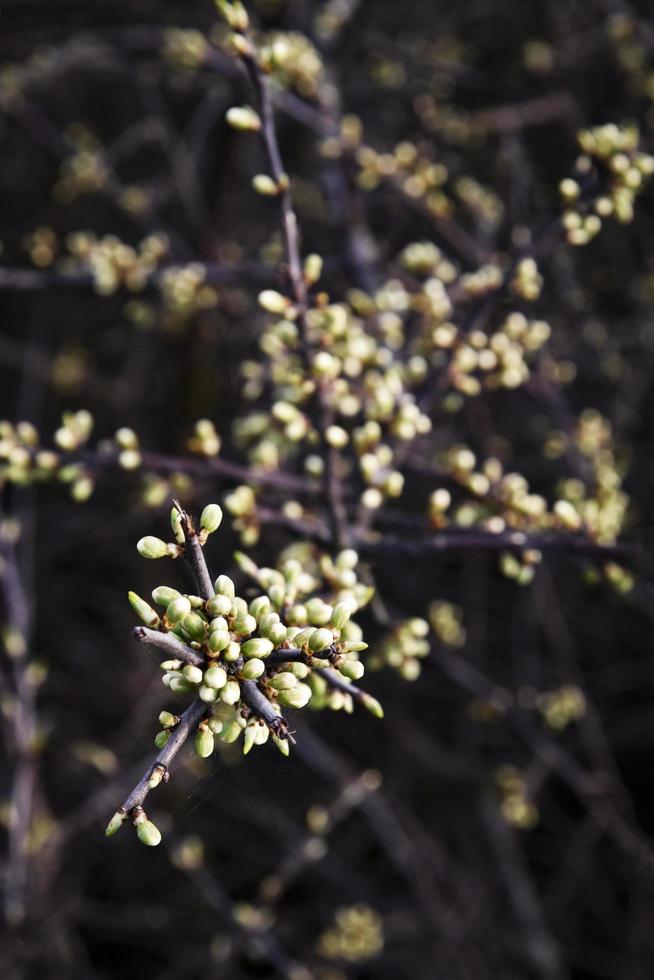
<point>170,644</point>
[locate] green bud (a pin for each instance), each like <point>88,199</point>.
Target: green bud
<point>258,646</point>
<point>210,518</point>
<point>312,268</point>
<point>282,745</point>
<point>249,738</point>
<point>252,669</point>
<point>219,605</point>
<point>218,640</point>
<point>351,647</point>
<point>161,738</point>
<point>178,609</point>
<point>230,732</point>
<point>299,670</point>
<point>372,705</point>
<point>259,607</point>
<point>148,834</point>
<point>215,725</point>
<point>273,302</point>
<point>207,694</point>
<point>234,14</point>
<point>218,623</point>
<point>320,640</point>
<point>192,674</point>
<point>340,615</point>
<point>244,625</point>
<point>115,823</point>
<point>171,665</point>
<point>215,677</point>
<point>176,525</point>
<point>231,692</point>
<point>352,669</point>
<point>232,653</point>
<point>267,622</point>
<point>195,627</point>
<point>162,595</point>
<point>295,697</point>
<point>243,118</point>
<point>197,602</point>
<point>246,564</point>
<point>179,685</point>
<point>151,547</point>
<point>263,184</point>
<point>204,744</point>
<point>156,777</point>
<point>224,586</point>
<point>144,612</point>
<point>283,681</point>
<point>277,634</point>
<point>302,638</point>
<point>167,719</point>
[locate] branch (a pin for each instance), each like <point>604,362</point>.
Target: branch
<point>195,555</point>
<point>189,719</point>
<point>259,704</point>
<point>170,643</point>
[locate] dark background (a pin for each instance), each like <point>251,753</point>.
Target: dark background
<point>461,893</point>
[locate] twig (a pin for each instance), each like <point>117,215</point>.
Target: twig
<point>195,555</point>
<point>170,643</point>
<point>189,719</point>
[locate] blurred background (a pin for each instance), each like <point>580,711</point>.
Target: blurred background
<point>455,839</point>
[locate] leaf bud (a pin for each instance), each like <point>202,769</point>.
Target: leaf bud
<point>115,823</point>
<point>148,833</point>
<point>167,719</point>
<point>372,705</point>
<point>144,612</point>
<point>161,738</point>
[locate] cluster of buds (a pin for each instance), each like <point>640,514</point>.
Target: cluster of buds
<point>515,805</point>
<point>483,202</point>
<point>85,170</point>
<point>357,934</point>
<point>562,707</point>
<point>185,48</point>
<point>403,649</point>
<point>612,161</point>
<point>292,644</point>
<point>292,60</point>
<point>185,293</point>
<point>115,265</point>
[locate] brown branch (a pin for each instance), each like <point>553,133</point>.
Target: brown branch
<point>188,721</point>
<point>170,644</point>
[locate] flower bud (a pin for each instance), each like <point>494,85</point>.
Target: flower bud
<point>224,586</point>
<point>321,640</point>
<point>302,638</point>
<point>277,634</point>
<point>192,674</point>
<point>232,652</point>
<point>163,596</point>
<point>218,640</point>
<point>151,547</point>
<point>144,612</point>
<point>148,833</point>
<point>340,615</point>
<point>210,518</point>
<point>243,118</point>
<point>231,692</point>
<point>207,694</point>
<point>252,669</point>
<point>234,13</point>
<point>161,738</point>
<point>283,681</point>
<point>195,627</point>
<point>273,302</point>
<point>263,184</point>
<point>215,725</point>
<point>215,677</point>
<point>176,525</point>
<point>352,669</point>
<point>282,745</point>
<point>244,625</point>
<point>219,605</point>
<point>372,705</point>
<point>259,606</point>
<point>116,823</point>
<point>179,685</point>
<point>312,268</point>
<point>204,743</point>
<point>257,647</point>
<point>295,697</point>
<point>178,609</point>
<point>167,719</point>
